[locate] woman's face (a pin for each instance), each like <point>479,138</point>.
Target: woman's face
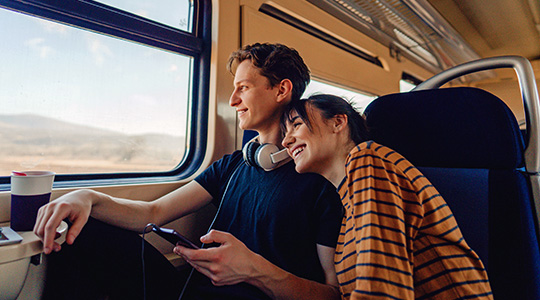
<point>312,149</point>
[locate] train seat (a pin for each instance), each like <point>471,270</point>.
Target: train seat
<point>467,142</point>
<point>248,135</point>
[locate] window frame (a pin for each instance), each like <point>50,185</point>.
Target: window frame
<point>104,19</point>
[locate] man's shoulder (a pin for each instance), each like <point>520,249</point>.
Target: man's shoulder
<point>314,180</point>
<point>228,159</point>
<point>285,172</point>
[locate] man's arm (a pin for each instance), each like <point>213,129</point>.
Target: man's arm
<point>233,262</point>
<point>77,206</point>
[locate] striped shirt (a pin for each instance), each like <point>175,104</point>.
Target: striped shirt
<point>399,239</point>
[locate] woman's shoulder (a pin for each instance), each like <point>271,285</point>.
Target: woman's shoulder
<point>369,147</point>
<point>373,150</point>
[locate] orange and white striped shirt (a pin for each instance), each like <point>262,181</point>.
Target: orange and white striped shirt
<point>399,239</point>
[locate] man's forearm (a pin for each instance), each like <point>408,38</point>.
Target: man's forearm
<point>280,284</point>
<point>119,212</point>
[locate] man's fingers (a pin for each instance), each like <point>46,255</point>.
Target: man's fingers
<point>46,230</point>
<point>75,229</point>
<point>195,255</point>
<point>216,236</point>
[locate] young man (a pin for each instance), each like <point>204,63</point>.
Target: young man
<point>276,229</point>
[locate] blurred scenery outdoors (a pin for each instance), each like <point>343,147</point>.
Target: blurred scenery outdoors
<point>75,101</point>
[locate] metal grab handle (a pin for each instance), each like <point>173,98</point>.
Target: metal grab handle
<point>529,94</point>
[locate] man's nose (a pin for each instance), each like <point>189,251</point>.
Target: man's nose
<point>234,100</point>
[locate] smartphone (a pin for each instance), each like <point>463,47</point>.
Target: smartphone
<point>174,237</point>
<point>8,236</point>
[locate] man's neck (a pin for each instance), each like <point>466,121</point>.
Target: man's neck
<point>273,137</point>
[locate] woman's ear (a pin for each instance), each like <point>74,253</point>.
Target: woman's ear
<point>340,122</point>
<point>284,91</point>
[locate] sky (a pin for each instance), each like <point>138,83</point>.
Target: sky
<point>86,78</point>
<point>78,76</point>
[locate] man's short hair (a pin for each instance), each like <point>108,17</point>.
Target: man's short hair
<point>275,62</point>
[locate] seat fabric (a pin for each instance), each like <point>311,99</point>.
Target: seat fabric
<point>467,142</point>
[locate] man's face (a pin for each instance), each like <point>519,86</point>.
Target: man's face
<point>254,99</point>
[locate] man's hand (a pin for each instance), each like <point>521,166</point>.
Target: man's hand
<point>75,206</point>
<point>230,263</point>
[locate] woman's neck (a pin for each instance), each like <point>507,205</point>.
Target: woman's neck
<point>336,171</point>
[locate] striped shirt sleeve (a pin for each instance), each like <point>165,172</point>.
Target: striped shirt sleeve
<point>383,222</point>
<point>399,239</point>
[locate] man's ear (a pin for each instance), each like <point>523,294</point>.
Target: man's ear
<point>285,88</point>
<point>340,122</point>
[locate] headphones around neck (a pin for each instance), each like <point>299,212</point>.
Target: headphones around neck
<point>266,156</point>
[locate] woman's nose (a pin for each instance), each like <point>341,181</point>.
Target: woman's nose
<point>287,140</point>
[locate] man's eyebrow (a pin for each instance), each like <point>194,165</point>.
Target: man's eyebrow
<point>241,81</point>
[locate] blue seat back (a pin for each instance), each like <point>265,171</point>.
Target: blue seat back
<point>248,136</point>
<point>468,143</point>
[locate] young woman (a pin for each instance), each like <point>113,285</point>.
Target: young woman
<point>399,239</point>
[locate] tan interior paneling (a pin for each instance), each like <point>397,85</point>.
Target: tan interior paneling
<point>327,61</point>
<point>496,27</point>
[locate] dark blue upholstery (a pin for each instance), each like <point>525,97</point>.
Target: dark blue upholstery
<point>468,143</point>
<point>248,136</point>
<point>462,118</point>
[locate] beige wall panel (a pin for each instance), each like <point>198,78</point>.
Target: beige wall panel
<point>327,61</point>
<point>222,118</point>
<point>509,92</point>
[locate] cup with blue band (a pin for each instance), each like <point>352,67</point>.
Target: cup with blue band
<point>29,191</point>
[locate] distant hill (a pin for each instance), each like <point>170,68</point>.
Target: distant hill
<point>30,121</point>
<point>36,136</point>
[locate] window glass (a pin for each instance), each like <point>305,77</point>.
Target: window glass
<point>408,82</point>
<point>406,86</point>
<point>174,13</point>
<point>359,100</point>
<point>75,101</point>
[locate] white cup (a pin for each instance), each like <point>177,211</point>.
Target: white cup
<point>29,191</point>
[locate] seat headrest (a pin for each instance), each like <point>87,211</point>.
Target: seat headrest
<point>248,136</point>
<point>451,127</point>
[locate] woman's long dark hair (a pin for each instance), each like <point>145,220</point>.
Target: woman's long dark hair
<point>330,106</point>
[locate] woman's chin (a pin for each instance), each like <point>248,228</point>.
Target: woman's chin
<point>300,168</point>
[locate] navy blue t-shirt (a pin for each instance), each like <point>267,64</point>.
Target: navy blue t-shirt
<point>280,215</point>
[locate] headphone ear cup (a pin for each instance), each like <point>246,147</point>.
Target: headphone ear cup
<point>249,152</point>
<point>263,157</point>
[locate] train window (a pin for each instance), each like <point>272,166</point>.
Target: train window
<point>408,82</point>
<point>359,99</point>
<point>84,96</point>
<point>173,13</point>
<point>406,86</point>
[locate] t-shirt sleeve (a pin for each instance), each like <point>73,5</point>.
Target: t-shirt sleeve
<point>214,179</point>
<point>330,212</point>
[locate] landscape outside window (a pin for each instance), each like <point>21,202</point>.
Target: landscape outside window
<point>74,101</point>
